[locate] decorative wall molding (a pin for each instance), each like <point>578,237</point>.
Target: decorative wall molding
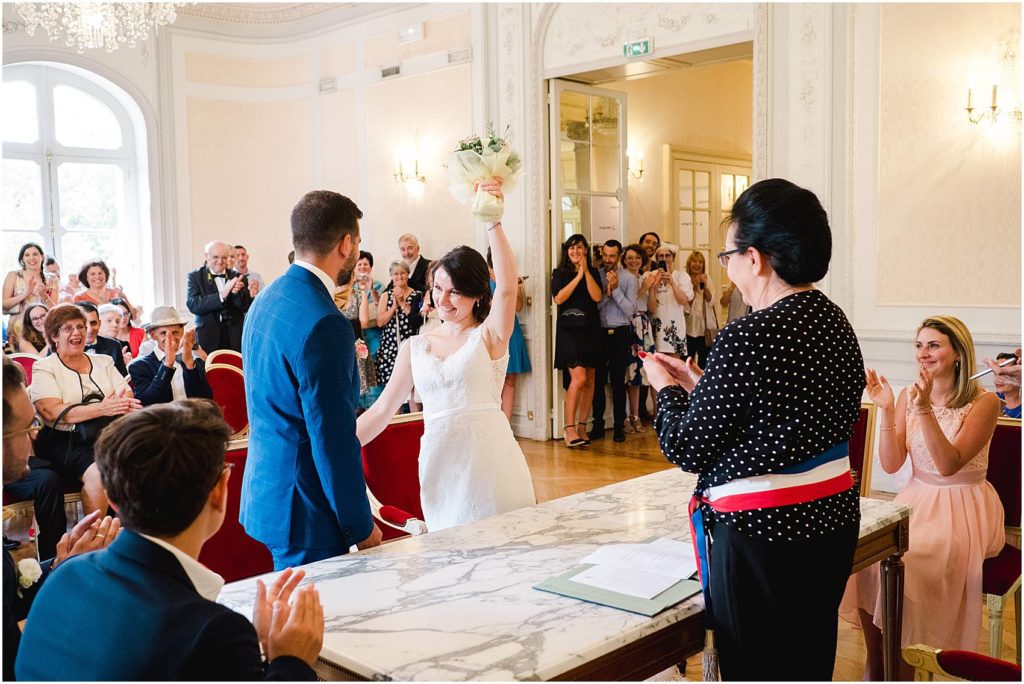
<point>264,13</point>
<point>762,91</point>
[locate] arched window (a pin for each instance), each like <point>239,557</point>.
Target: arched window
<point>71,160</point>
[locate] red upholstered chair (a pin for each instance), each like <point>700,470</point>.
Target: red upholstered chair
<point>231,552</point>
<point>227,357</point>
<point>862,443</point>
<point>228,387</point>
<point>26,361</point>
<point>974,667</point>
<point>391,468</point>
<point>1000,576</point>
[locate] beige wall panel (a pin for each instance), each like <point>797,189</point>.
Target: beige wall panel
<point>203,67</point>
<point>708,108</point>
<point>249,163</point>
<point>949,207</point>
<point>439,35</point>
<point>436,108</point>
<point>338,143</point>
<point>337,60</point>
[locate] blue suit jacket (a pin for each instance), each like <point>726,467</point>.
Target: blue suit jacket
<point>303,486</point>
<point>151,380</point>
<point>146,622</point>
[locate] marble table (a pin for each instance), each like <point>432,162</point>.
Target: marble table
<point>459,604</point>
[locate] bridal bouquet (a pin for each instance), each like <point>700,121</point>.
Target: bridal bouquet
<point>479,159</point>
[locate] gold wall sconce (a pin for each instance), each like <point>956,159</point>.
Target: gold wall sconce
<point>409,172</point>
<point>993,111</point>
<point>635,164</point>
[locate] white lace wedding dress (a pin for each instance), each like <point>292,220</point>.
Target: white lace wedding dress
<point>470,464</point>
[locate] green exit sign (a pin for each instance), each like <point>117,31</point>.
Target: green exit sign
<point>637,48</point>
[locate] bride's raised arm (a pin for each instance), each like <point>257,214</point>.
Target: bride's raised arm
<point>499,322</point>
<point>373,421</point>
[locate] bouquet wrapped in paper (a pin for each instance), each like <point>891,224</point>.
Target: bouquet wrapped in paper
<point>478,160</point>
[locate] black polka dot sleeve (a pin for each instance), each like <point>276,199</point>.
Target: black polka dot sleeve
<point>782,385</point>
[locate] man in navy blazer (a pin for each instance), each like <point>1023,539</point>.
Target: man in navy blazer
<point>303,494</point>
<point>150,605</point>
<point>20,428</point>
<point>219,299</point>
<point>165,374</point>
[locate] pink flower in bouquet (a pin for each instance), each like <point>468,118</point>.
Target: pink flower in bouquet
<point>362,351</point>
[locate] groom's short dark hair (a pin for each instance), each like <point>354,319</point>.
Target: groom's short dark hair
<point>322,219</point>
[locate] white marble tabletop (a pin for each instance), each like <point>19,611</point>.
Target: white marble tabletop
<point>459,604</point>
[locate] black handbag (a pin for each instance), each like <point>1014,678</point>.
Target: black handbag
<point>573,319</point>
<point>88,431</point>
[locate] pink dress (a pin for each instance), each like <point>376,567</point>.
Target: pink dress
<point>956,523</point>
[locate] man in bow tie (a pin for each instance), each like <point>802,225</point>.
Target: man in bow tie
<point>219,299</point>
<point>98,344</point>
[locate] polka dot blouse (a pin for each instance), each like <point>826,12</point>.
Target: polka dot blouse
<point>782,385</point>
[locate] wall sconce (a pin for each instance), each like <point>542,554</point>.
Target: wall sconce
<point>409,171</point>
<point>991,112</point>
<point>635,164</point>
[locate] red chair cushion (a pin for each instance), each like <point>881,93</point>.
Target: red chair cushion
<point>229,393</point>
<point>857,441</point>
<point>26,363</point>
<point>231,552</point>
<point>1000,572</point>
<point>1004,469</point>
<point>976,667</point>
<point>229,357</point>
<point>395,516</point>
<point>391,468</point>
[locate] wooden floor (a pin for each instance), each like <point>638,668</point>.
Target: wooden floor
<point>559,471</point>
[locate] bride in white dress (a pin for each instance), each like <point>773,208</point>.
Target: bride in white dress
<point>470,464</point>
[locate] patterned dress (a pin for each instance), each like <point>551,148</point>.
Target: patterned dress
<point>401,327</point>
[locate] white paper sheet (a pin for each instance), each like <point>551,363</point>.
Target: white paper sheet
<point>666,557</point>
<point>645,585</point>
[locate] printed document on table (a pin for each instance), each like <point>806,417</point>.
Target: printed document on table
<point>637,583</point>
<point>661,557</point>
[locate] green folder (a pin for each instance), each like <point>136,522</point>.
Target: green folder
<point>563,585</point>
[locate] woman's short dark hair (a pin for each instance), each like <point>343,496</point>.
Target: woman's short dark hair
<point>640,251</point>
<point>469,275</point>
<point>367,256</point>
<point>84,272</point>
<point>159,464</point>
<point>787,224</point>
<point>56,318</point>
<point>28,331</point>
<point>566,266</point>
<point>24,248</point>
<point>322,219</point>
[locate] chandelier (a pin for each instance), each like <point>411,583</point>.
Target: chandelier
<point>93,25</point>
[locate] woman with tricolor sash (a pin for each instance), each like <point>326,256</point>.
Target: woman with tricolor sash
<point>765,425</point>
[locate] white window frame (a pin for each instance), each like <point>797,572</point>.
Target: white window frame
<point>49,153</point>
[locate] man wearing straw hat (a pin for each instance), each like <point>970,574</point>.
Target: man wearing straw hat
<point>170,372</point>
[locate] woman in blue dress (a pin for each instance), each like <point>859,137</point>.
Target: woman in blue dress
<point>366,296</point>
<point>518,357</point>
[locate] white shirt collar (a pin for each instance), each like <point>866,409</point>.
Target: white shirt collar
<point>206,582</point>
<point>324,278</point>
<point>414,263</point>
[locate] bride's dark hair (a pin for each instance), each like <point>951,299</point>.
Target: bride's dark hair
<point>468,272</point>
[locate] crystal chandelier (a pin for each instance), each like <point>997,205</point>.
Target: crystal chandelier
<point>92,25</point>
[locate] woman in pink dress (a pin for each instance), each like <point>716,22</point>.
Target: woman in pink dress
<point>944,422</point>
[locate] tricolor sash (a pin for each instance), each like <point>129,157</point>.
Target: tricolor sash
<point>825,475</point>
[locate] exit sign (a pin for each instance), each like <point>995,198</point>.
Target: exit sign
<point>637,48</point>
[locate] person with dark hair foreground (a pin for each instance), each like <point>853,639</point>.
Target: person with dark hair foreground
<point>471,466</point>
<point>766,428</point>
<point>152,603</point>
<point>304,494</point>
<point>22,581</point>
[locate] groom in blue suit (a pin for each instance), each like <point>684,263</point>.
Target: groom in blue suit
<point>303,493</point>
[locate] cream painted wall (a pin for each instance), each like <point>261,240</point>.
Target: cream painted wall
<point>949,205</point>
<point>432,128</point>
<point>707,108</point>
<point>249,163</point>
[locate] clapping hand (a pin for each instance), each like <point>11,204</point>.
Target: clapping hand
<point>280,590</point>
<point>170,349</point>
<point>188,341</point>
<point>122,401</point>
<point>921,392</point>
<point>663,370</point>
<point>613,281</point>
<point>254,288</point>
<point>90,534</point>
<point>879,390</point>
<point>237,284</point>
<point>298,629</point>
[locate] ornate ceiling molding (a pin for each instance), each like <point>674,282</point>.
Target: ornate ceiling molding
<point>262,13</point>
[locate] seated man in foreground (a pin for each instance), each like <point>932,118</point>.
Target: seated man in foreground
<point>151,602</point>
